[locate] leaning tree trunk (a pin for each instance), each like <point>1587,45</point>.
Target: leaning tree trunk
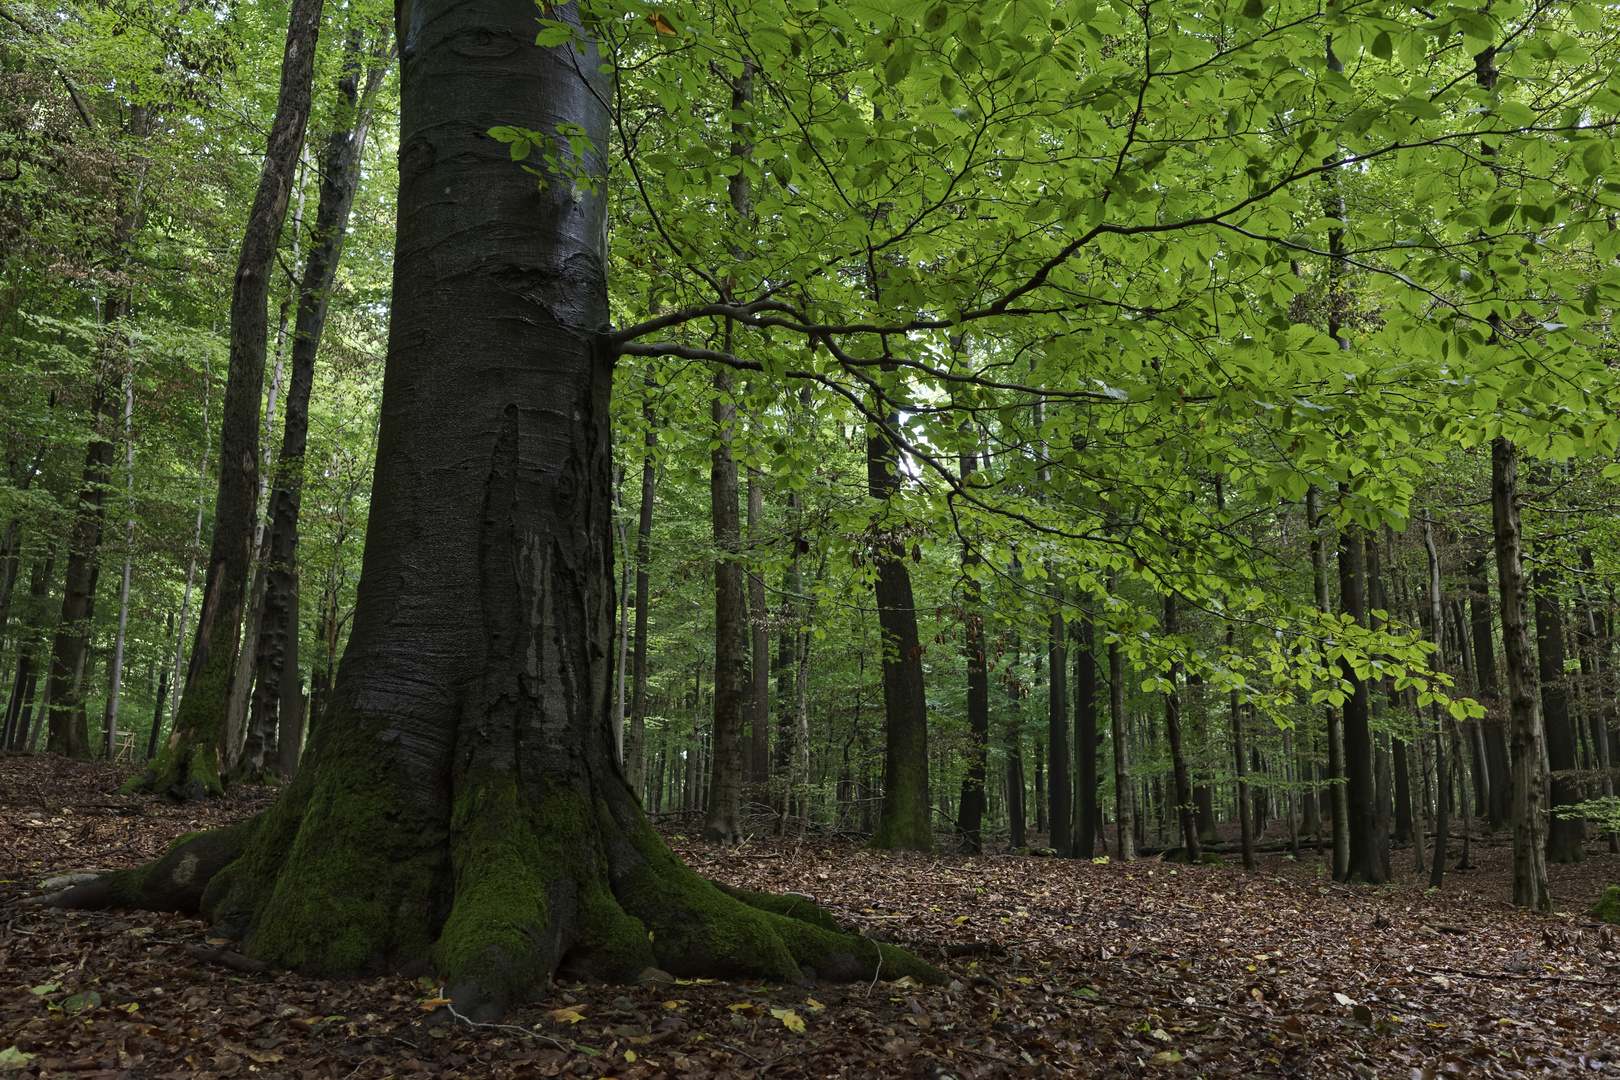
<point>189,766</point>
<point>1524,707</point>
<point>462,811</point>
<point>277,701</point>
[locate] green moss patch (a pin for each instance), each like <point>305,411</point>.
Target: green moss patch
<point>1608,907</point>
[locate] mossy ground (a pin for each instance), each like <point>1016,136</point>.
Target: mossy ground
<point>1607,908</point>
<point>510,884</point>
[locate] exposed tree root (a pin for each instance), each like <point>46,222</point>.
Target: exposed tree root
<point>521,883</point>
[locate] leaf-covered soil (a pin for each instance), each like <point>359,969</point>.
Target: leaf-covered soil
<point>1059,968</point>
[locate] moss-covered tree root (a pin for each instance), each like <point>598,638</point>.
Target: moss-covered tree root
<point>518,882</point>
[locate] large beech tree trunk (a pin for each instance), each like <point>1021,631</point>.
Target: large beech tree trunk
<point>188,767</point>
<point>462,811</point>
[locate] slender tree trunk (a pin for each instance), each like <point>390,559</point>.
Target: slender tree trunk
<point>1566,834</point>
<point>31,645</point>
<point>190,766</point>
<point>1128,821</point>
<point>1172,726</point>
<point>1529,859</point>
<point>1060,812</point>
<point>906,822</point>
<point>115,680</point>
<point>971,809</point>
<point>1364,863</point>
<point>723,822</point>
<point>1335,732</point>
<point>1240,759</point>
<point>68,732</point>
<point>636,736</point>
<point>759,634</point>
<point>1085,741</point>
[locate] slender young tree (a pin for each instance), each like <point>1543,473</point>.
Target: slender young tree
<point>277,696</point>
<point>188,767</point>
<point>1524,705</point>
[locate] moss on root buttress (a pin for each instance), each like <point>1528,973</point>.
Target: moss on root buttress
<point>348,874</point>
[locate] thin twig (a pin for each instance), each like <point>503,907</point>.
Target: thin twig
<point>525,1032</point>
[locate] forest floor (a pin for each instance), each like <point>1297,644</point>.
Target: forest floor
<point>1146,969</point>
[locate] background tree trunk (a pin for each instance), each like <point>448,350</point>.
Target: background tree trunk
<point>1529,860</point>
<point>189,766</point>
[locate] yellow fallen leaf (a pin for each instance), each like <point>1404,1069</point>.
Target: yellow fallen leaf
<point>790,1019</point>
<point>568,1015</point>
<point>741,1005</point>
<point>906,980</point>
<point>629,1055</point>
<point>813,1005</point>
<point>434,1003</point>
